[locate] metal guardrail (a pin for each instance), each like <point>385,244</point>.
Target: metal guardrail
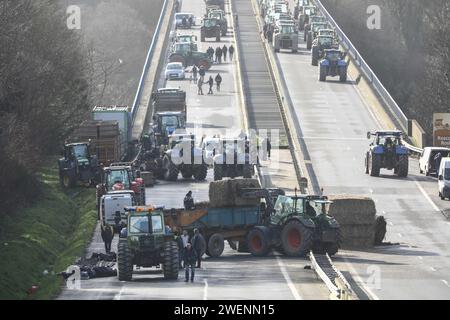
<point>335,281</point>
<point>390,103</point>
<point>147,64</point>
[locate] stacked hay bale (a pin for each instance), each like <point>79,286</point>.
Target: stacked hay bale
<point>225,193</point>
<point>356,216</point>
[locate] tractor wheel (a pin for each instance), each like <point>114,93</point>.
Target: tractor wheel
<point>187,174</point>
<point>297,240</point>
<point>258,242</point>
<point>333,247</point>
<point>202,36</point>
<point>68,179</point>
<point>232,244</point>
<point>343,74</point>
<point>403,165</point>
<point>374,165</point>
<point>322,73</point>
<point>215,245</point>
<point>366,163</point>
<point>124,262</point>
<point>247,171</point>
<point>309,42</point>
<point>201,172</point>
<point>314,56</point>
<point>170,264</point>
<point>218,37</point>
<point>218,172</point>
<point>170,170</point>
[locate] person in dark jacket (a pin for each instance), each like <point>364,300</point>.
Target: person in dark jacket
<point>198,244</point>
<point>180,248</point>
<point>224,53</point>
<point>218,80</point>
<point>201,72</point>
<point>210,53</point>
<point>107,233</point>
<point>218,55</point>
<point>194,73</point>
<point>231,52</point>
<point>211,84</point>
<point>190,258</point>
<point>188,201</point>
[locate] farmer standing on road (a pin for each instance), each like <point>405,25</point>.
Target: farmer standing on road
<point>198,243</point>
<point>107,233</point>
<point>224,52</point>
<point>218,81</point>
<point>231,51</point>
<point>189,262</point>
<point>194,73</point>
<point>211,84</point>
<point>200,86</point>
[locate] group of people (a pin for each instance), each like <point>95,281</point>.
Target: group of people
<point>201,80</point>
<point>268,31</point>
<point>220,53</point>
<point>190,251</point>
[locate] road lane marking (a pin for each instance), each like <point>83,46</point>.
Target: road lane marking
<point>400,235</point>
<point>446,283</point>
<point>118,296</point>
<point>205,290</point>
<point>288,279</point>
<point>365,288</point>
<point>420,258</point>
<point>433,269</point>
<point>435,207</point>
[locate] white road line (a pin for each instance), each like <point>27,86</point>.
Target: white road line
<point>288,279</point>
<point>355,274</point>
<point>400,235</point>
<point>433,269</point>
<point>446,283</point>
<point>419,257</point>
<point>435,207</point>
<point>205,290</point>
<point>118,296</point>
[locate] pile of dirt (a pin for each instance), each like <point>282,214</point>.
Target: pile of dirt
<point>356,216</point>
<point>225,193</point>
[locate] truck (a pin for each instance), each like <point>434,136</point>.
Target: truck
<point>292,225</point>
<point>169,113</point>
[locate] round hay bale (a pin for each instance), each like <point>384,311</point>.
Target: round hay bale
<point>350,209</point>
<point>220,195</point>
<point>202,205</point>
<point>235,184</point>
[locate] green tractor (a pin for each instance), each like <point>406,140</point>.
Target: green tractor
<point>78,164</point>
<point>220,16</point>
<point>210,29</point>
<point>146,242</point>
<point>294,226</point>
<point>187,54</point>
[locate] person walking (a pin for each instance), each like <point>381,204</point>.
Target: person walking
<point>184,242</point>
<point>200,86</point>
<point>194,73</point>
<point>218,80</point>
<point>269,147</point>
<point>189,201</point>
<point>107,233</point>
<point>190,258</point>
<point>199,244</point>
<point>224,53</point>
<point>231,52</point>
<point>202,72</point>
<point>211,53</point>
<point>211,84</point>
<point>218,55</point>
<point>180,249</point>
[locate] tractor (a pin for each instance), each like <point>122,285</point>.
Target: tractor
<point>146,242</point>
<point>304,17</point>
<point>318,48</point>
<point>121,176</point>
<point>233,159</point>
<point>222,20</point>
<point>386,151</point>
<point>183,156</point>
<point>314,32</point>
<point>333,64</point>
<point>299,7</point>
<point>220,3</point>
<point>77,164</point>
<point>293,225</point>
<point>166,123</point>
<point>286,37</point>
<point>210,29</point>
<point>187,54</point>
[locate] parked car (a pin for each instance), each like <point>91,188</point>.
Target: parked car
<point>175,70</point>
<point>427,165</point>
<point>179,20</point>
<point>444,179</point>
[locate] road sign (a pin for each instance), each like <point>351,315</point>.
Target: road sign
<point>441,129</point>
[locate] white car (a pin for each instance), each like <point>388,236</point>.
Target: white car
<point>427,163</point>
<point>175,70</point>
<point>444,179</point>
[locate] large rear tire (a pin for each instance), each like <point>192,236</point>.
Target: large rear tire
<point>218,172</point>
<point>309,41</point>
<point>258,242</point>
<point>170,265</point>
<point>374,165</point>
<point>170,170</point>
<point>343,74</point>
<point>403,165</point>
<point>315,56</point>
<point>322,73</point>
<point>296,239</point>
<point>201,172</point>
<point>124,262</point>
<point>186,174</point>
<point>247,171</point>
<point>215,245</point>
<point>68,179</point>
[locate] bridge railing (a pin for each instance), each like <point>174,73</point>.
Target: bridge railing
<point>147,64</point>
<point>390,104</point>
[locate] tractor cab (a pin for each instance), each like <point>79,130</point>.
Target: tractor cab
<point>216,14</point>
<point>327,32</point>
<point>311,206</point>
<point>325,41</point>
<point>181,138</point>
<point>334,55</point>
<point>386,138</point>
<point>317,26</point>
<point>143,224</point>
<point>183,48</point>
<point>210,23</point>
<point>166,123</point>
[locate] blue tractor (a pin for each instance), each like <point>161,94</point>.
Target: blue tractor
<point>333,64</point>
<point>386,151</point>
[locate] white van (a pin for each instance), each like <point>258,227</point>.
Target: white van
<point>444,179</point>
<point>113,207</point>
<point>427,164</point>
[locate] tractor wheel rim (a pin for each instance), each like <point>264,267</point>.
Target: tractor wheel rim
<point>294,238</point>
<point>256,243</point>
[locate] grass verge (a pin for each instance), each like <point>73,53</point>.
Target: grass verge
<point>39,241</point>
